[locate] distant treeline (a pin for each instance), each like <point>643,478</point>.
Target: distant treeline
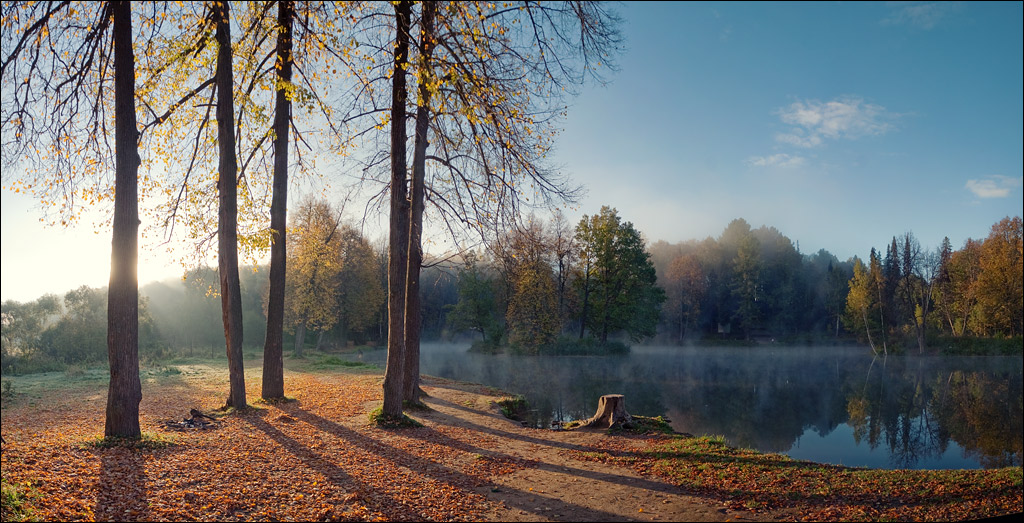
<point>558,288</point>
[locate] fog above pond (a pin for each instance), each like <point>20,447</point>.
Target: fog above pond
<point>826,404</point>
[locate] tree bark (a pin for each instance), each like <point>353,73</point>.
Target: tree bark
<point>273,348</point>
<point>398,259</point>
<point>227,232</point>
<point>125,389</point>
<point>413,316</point>
<point>300,338</point>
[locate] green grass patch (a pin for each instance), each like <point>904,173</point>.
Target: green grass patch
<point>415,405</point>
<point>16,501</point>
<point>384,421</point>
<point>329,361</point>
<point>646,425</point>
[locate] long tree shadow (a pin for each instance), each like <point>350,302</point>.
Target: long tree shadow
<point>391,507</point>
<point>121,493</point>
<point>521,437</point>
<point>807,500</point>
<point>523,500</point>
<point>617,479</point>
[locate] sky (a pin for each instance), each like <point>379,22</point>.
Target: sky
<point>839,124</point>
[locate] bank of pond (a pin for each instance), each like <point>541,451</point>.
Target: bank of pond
<point>836,405</point>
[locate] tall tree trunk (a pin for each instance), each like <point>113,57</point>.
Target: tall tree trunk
<point>273,348</point>
<point>227,231</point>
<point>125,389</point>
<point>413,316</point>
<point>682,325</point>
<point>300,338</point>
<point>319,339</point>
<point>586,300</point>
<point>398,260</point>
<point>867,330</point>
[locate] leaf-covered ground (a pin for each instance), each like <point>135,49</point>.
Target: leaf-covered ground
<point>747,479</point>
<point>318,457</point>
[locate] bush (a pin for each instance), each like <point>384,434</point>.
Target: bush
<point>970,346</point>
<point>31,363</point>
<point>513,407</point>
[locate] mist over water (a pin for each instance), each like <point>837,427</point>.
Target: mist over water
<point>825,404</point>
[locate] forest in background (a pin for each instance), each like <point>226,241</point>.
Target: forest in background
<point>528,288</point>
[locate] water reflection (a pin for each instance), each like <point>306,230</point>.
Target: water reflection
<point>823,404</point>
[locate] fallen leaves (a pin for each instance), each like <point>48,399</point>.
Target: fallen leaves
<point>312,459</point>
<point>750,481</point>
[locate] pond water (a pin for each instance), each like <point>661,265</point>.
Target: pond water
<point>825,404</point>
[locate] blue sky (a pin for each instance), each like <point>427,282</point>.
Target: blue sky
<point>840,124</point>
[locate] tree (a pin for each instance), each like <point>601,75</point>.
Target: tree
<point>563,241</point>
<point>22,324</point>
<point>617,279</point>
<point>861,302</point>
<point>417,192</point>
<point>836,289</point>
<point>879,283</point>
<point>1000,286</point>
<point>64,49</point>
<point>312,295</point>
<point>488,97</point>
<point>686,287</point>
<point>273,350</point>
<point>746,284</point>
<point>360,293</point>
<point>920,269</point>
<point>531,315</point>
<point>398,229</point>
<point>475,309</point>
<point>959,299</point>
<point>227,230</point>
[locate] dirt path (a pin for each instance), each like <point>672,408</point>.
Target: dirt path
<point>556,486</point>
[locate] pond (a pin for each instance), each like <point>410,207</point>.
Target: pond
<point>824,404</point>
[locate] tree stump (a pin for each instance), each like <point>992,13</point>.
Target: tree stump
<point>611,413</point>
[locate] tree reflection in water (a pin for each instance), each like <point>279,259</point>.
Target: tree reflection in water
<point>916,410</point>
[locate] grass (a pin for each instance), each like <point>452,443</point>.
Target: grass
<point>384,421</point>
<point>743,478</point>
<point>15,504</point>
<point>329,360</point>
<point>646,425</point>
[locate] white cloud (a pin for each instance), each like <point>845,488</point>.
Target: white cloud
<point>798,139</point>
<point>993,186</point>
<point>780,160</point>
<point>850,117</point>
<point>923,15</point>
